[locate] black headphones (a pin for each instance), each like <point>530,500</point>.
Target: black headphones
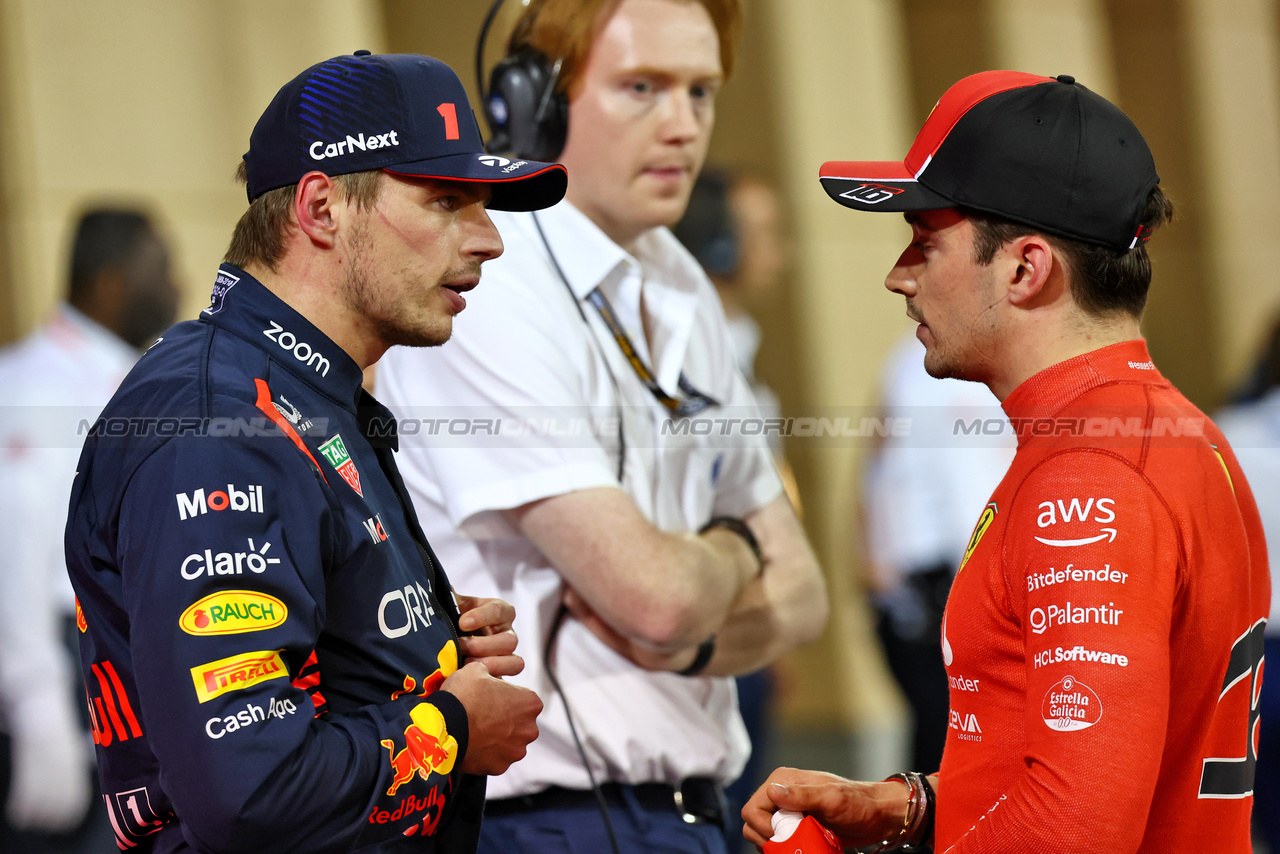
<point>527,118</point>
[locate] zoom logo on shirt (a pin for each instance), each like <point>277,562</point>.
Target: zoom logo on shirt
<point>301,350</point>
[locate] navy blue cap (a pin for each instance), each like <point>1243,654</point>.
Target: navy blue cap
<point>404,113</point>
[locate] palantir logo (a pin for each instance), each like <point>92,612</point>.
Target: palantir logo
<point>872,194</point>
<point>197,504</point>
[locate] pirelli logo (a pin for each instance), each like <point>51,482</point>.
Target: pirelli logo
<point>239,671</point>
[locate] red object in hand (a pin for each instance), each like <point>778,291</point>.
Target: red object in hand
<point>800,835</point>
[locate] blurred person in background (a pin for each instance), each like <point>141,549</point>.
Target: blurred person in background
<point>733,226</point>
<point>931,473</point>
<point>120,295</point>
<point>1252,426</point>
<point>677,556</point>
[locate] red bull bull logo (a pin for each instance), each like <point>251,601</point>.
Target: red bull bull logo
<point>428,748</point>
<point>447,658</point>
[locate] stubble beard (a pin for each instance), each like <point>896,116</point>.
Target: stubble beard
<point>393,323</point>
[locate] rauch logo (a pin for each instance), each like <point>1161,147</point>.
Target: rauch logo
<point>233,612</point>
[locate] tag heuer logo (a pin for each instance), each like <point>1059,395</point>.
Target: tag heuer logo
<point>336,453</point>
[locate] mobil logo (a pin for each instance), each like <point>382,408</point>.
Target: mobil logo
<point>209,563</point>
<point>405,610</point>
<point>233,612</point>
<point>242,500</point>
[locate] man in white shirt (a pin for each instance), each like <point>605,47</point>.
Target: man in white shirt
<point>638,491</point>
<point>120,296</point>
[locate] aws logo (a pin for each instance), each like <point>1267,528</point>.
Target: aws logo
<point>233,612</point>
<point>984,522</point>
<point>1055,512</point>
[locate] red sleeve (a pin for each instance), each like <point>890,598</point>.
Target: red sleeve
<point>1091,562</point>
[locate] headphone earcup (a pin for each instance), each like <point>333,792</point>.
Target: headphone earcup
<point>524,120</point>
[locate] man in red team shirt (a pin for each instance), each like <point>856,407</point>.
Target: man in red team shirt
<point>1103,638</point>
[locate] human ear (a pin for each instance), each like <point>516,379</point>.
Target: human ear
<point>1029,262</point>
<point>314,206</point>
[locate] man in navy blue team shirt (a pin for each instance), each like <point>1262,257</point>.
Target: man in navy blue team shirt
<point>274,659</point>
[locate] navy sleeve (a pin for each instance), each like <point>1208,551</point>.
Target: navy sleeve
<point>224,548</point>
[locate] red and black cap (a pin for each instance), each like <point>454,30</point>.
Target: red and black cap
<point>1043,151</point>
<point>404,113</point>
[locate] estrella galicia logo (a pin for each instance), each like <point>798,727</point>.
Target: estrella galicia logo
<point>872,194</point>
<point>223,283</point>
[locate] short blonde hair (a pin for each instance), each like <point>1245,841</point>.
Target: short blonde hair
<point>259,236</point>
<point>566,29</point>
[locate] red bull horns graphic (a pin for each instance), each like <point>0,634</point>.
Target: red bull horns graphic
<point>428,746</point>
<point>429,749</point>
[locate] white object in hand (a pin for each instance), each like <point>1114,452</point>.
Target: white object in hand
<point>785,823</point>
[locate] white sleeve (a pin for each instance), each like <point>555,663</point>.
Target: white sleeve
<point>518,357</point>
<point>748,478</point>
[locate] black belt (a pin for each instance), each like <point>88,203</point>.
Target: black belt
<point>696,799</point>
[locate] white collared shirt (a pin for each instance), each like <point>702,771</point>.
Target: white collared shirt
<point>552,383</point>
<point>53,385</point>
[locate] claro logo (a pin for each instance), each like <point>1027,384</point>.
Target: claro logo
<point>301,350</point>
<point>227,563</point>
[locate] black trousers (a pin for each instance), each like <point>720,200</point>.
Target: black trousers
<point>910,629</point>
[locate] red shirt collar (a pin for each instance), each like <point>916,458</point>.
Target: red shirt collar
<point>1048,392</point>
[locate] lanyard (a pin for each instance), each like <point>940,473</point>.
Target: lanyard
<point>695,401</point>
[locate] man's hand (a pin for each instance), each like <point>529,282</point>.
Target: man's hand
<point>493,643</point>
<point>860,814</point>
<point>501,718</point>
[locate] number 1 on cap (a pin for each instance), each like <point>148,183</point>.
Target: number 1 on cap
<point>450,114</point>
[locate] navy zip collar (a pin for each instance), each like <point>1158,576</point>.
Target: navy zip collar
<point>246,308</point>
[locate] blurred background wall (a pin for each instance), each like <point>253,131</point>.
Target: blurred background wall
<point>153,101</point>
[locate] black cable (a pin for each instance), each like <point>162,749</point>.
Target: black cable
<point>484,35</point>
<point>573,730</point>
<point>617,390</point>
